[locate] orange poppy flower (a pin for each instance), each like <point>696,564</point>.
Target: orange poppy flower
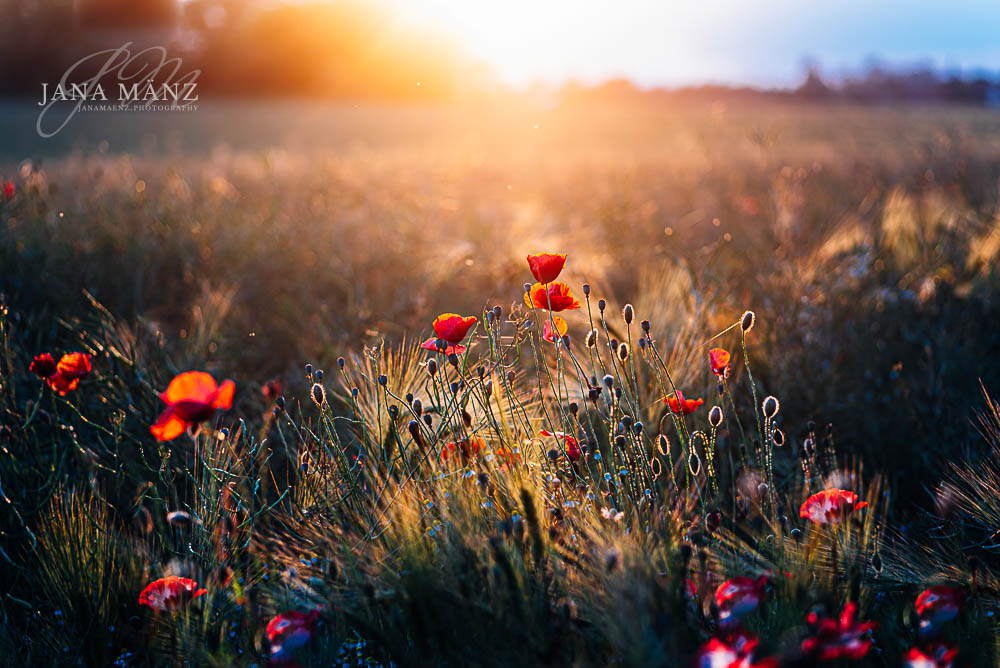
<point>8,190</point>
<point>452,327</point>
<point>545,267</point>
<point>43,365</point>
<point>558,297</point>
<point>466,447</point>
<point>830,506</point>
<point>681,406</point>
<point>65,375</point>
<point>572,447</point>
<point>561,327</point>
<point>191,397</point>
<point>170,593</point>
<point>431,344</point>
<point>718,359</point>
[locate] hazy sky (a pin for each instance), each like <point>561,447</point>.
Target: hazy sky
<point>692,41</point>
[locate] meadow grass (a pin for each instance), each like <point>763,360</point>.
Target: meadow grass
<point>414,504</point>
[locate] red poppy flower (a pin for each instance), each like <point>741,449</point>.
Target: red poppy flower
<point>718,359</point>
<point>739,597</point>
<point>191,397</point>
<point>561,327</point>
<point>830,506</point>
<point>271,390</point>
<point>572,447</point>
<point>937,656</point>
<point>70,369</point>
<point>170,593</point>
<point>545,267</point>
<point>465,447</point>
<point>558,297</point>
<point>8,190</point>
<point>841,638</point>
<point>681,406</point>
<point>452,327</point>
<point>43,365</point>
<point>289,631</point>
<point>938,605</point>
<point>431,344</point>
<point>736,651</point>
<point>506,457</point>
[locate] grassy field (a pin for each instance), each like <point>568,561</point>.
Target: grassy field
<point>249,242</point>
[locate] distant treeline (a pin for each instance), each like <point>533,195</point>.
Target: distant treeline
<point>355,49</point>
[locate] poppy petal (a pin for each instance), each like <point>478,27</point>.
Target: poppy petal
<point>169,426</point>
<point>191,386</point>
<point>224,397</point>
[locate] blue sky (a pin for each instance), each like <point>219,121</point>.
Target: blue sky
<point>725,41</point>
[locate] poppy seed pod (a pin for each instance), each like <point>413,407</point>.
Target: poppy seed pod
<point>627,314</point>
<point>393,411</point>
<point>601,305</point>
<point>309,369</point>
<point>609,380</point>
<point>427,419</point>
<point>409,398</point>
<point>510,377</point>
<point>490,317</point>
<point>527,287</point>
<point>770,406</point>
<point>574,408</point>
<point>341,362</point>
<point>645,326</point>
<point>318,394</point>
<point>586,289</point>
<point>746,324</point>
<point>623,352</point>
<point>591,338</point>
<point>319,376</point>
<point>497,312</point>
<point>715,416</point>
<point>637,428</point>
<point>594,393</point>
<point>383,380</point>
<point>418,407</point>
<point>453,360</point>
<point>432,366</point>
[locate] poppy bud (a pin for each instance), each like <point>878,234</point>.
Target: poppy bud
<point>663,445</point>
<point>481,371</point>
<point>466,418</point>
<point>275,411</point>
<point>482,479</point>
<point>383,379</point>
<point>626,422</point>
<point>566,340</point>
<point>623,352</point>
<point>414,428</point>
<point>319,376</point>
<point>418,407</point>
<point>488,388</point>
<point>318,394</point>
<point>645,326</point>
<point>527,287</point>
<point>779,437</point>
<point>280,403</point>
<point>642,343</point>
<point>613,344</point>
<point>619,442</point>
<point>591,338</point>
<point>309,369</point>
<point>510,377</point>
<point>574,408</point>
<point>770,406</point>
<point>601,305</point>
<point>609,381</point>
<point>440,345</point>
<point>586,289</point>
<point>553,454</point>
<point>393,411</point>
<point>490,317</point>
<point>432,366</point>
<point>618,392</point>
<point>720,389</point>
<point>746,324</point>
<point>627,314</point>
<point>453,360</point>
<point>762,489</point>
<point>341,362</point>
<point>796,534</point>
<point>637,428</point>
<point>497,312</point>
<point>427,419</point>
<point>594,393</point>
<point>715,416</point>
<point>355,392</point>
<point>454,387</point>
<point>409,398</point>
